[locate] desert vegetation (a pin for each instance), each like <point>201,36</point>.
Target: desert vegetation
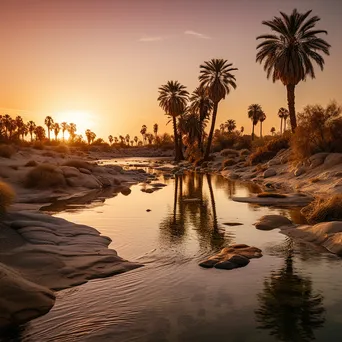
<point>6,196</point>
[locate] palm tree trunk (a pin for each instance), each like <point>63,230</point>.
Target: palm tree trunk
<point>210,138</point>
<point>253,131</point>
<point>291,103</point>
<point>212,199</point>
<point>281,125</point>
<point>260,129</point>
<point>175,201</point>
<point>48,132</point>
<point>175,134</point>
<point>180,146</point>
<point>284,125</point>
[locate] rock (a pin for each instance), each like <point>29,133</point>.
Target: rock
<point>105,182</point>
<point>270,173</point>
<point>148,210</point>
<point>299,171</point>
<point>231,257</point>
<point>296,199</point>
<point>125,190</point>
<point>317,159</point>
<point>269,222</point>
<point>70,171</point>
<point>116,181</point>
<point>158,185</point>
<point>333,159</point>
<point>21,300</point>
<point>86,171</point>
<point>84,180</point>
<point>274,161</point>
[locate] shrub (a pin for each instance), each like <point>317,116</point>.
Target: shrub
<point>61,149</point>
<point>324,209</point>
<point>228,162</point>
<point>319,130</point>
<point>270,149</point>
<point>6,196</point>
<point>38,145</point>
<point>31,163</point>
<point>45,176</point>
<point>79,164</point>
<point>6,151</point>
<point>234,140</point>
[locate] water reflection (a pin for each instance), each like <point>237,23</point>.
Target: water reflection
<point>288,307</point>
<point>194,207</point>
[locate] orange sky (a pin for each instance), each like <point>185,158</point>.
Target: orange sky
<point>99,63</point>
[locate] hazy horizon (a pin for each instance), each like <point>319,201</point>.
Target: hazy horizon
<point>99,63</point>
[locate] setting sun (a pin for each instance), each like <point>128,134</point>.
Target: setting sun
<point>82,119</point>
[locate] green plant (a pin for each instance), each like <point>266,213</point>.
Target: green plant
<point>6,196</point>
<point>45,176</point>
<point>324,209</point>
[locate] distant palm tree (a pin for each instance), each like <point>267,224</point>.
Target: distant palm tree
<point>72,130</point>
<point>281,113</point>
<point>231,125</point>
<point>254,113</point>
<point>242,129</point>
<point>56,130</point>
<point>49,124</point>
<point>155,129</point>
<point>127,138</point>
<point>288,54</point>
<point>110,139</point>
<point>285,117</point>
<point>88,135</point>
<point>20,126</point>
<point>172,98</point>
<point>217,80</point>
<point>65,127</point>
<point>201,105</point>
<point>39,131</point>
<point>6,119</point>
<point>12,126</point>
<point>31,127</point>
<point>143,131</point>
<point>93,136</point>
<point>262,119</point>
<point>222,127</point>
<point>116,140</point>
<point>122,139</point>
<point>272,130</point>
<point>136,140</point>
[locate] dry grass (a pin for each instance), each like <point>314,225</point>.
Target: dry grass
<point>314,180</point>
<point>6,151</point>
<point>6,196</point>
<point>79,164</point>
<point>271,195</point>
<point>45,176</point>
<point>324,209</point>
<point>61,149</point>
<point>31,163</point>
<point>228,162</point>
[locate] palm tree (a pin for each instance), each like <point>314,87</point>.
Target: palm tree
<point>116,140</point>
<point>281,113</point>
<point>93,136</point>
<point>172,98</point>
<point>56,130</point>
<point>12,126</point>
<point>88,135</point>
<point>201,104</point>
<point>272,130</point>
<point>20,126</point>
<point>262,119</point>
<point>110,139</point>
<point>72,130</point>
<point>65,127</point>
<point>155,129</point>
<point>132,142</point>
<point>127,138</point>
<point>49,124</point>
<point>231,125</point>
<point>31,127</point>
<point>39,131</point>
<point>254,113</point>
<point>242,129</point>
<point>289,52</point>
<point>222,127</point>
<point>143,131</point>
<point>136,140</point>
<point>285,117</point>
<point>7,123</point>
<point>216,79</point>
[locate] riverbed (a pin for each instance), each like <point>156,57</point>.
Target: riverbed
<point>291,294</point>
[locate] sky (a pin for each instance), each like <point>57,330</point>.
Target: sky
<point>99,63</point>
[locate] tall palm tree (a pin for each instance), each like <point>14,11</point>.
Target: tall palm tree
<point>242,129</point>
<point>20,126</point>
<point>201,105</point>
<point>65,127</point>
<point>231,125</point>
<point>49,124</point>
<point>155,129</point>
<point>110,139</point>
<point>262,119</point>
<point>88,135</point>
<point>72,130</point>
<point>31,127</point>
<point>116,140</point>
<point>272,130</point>
<point>127,138</point>
<point>281,113</point>
<point>173,98</point>
<point>39,131</point>
<point>143,131</point>
<point>6,119</point>
<point>136,140</point>
<point>289,53</point>
<point>56,130</point>
<point>254,113</point>
<point>285,117</point>
<point>217,80</point>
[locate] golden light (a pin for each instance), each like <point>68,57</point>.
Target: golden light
<point>83,121</point>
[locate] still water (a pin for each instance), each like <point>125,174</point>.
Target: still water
<point>292,293</point>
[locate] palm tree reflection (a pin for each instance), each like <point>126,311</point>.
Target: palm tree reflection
<point>193,208</point>
<point>288,307</point>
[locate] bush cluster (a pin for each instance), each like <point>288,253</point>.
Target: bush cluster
<point>6,196</point>
<point>45,176</point>
<point>6,151</point>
